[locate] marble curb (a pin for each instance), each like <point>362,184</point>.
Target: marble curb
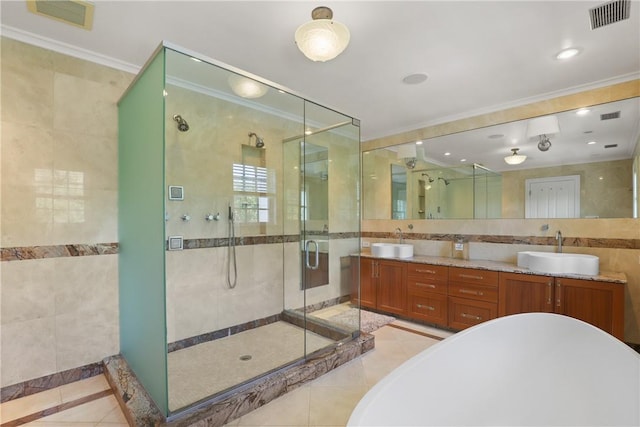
<point>141,411</point>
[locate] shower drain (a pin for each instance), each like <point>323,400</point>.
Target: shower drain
<point>245,357</point>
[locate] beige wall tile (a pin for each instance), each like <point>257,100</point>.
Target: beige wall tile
<point>28,350</point>
<point>27,290</point>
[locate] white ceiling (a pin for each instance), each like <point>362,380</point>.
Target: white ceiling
<point>480,56</point>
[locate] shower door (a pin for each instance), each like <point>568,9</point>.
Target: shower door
<point>329,217</point>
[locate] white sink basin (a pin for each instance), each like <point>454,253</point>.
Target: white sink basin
<point>392,250</point>
<point>559,263</point>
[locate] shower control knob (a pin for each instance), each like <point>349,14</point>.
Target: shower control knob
<point>186,217</point>
<point>212,217</point>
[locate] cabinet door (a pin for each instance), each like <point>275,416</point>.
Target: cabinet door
<point>392,287</point>
<point>368,280</point>
<point>525,293</point>
<point>598,303</point>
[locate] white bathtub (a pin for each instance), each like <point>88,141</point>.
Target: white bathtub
<point>528,369</point>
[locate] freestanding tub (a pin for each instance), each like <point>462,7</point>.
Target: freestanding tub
<point>527,369</point>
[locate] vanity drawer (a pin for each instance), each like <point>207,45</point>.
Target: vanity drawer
<point>473,276</point>
<point>431,308</point>
<point>427,284</point>
<point>464,313</point>
<point>474,292</point>
<point>428,271</point>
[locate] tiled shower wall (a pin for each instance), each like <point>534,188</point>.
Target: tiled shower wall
<point>59,187</point>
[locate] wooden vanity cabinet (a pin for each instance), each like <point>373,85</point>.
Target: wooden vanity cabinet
<point>382,285</point>
<point>473,296</point>
<point>598,303</point>
<point>427,293</point>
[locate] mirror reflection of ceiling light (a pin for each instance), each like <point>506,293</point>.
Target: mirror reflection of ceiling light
<point>418,142</point>
<point>408,154</point>
<point>246,87</point>
<point>515,158</point>
<point>591,143</point>
<point>583,112</point>
<point>322,39</point>
<point>542,127</point>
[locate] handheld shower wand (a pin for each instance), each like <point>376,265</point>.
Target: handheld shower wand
<point>231,252</point>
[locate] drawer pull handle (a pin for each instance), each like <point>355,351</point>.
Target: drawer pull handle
<point>471,316</point>
<point>428,307</point>
<point>425,271</point>
<point>426,285</point>
<point>467,291</point>
<point>471,276</point>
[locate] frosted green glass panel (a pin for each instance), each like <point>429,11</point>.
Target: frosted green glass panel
<point>141,230</point>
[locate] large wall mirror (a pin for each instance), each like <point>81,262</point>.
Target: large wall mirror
<point>579,164</point>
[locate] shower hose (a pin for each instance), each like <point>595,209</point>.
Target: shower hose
<point>231,252</point>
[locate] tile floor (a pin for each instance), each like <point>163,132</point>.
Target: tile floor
<point>327,401</point>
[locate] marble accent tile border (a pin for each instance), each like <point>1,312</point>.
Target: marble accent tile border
<point>22,253</point>
<point>222,333</point>
<point>56,409</point>
<point>584,242</point>
<point>57,251</point>
<point>48,382</point>
<point>140,410</point>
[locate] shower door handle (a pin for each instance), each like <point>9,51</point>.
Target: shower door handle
<point>306,253</point>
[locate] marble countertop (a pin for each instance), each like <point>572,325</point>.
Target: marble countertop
<point>506,267</point>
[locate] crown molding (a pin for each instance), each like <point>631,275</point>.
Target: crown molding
<point>67,49</point>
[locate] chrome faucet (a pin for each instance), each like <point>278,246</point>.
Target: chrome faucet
<point>559,239</point>
<point>399,232</point>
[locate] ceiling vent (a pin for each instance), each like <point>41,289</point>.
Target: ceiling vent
<point>611,146</point>
<point>609,13</point>
<point>610,116</point>
<point>78,13</point>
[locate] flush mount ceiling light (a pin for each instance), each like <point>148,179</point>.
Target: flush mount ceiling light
<point>246,87</point>
<point>515,158</point>
<point>408,154</point>
<point>322,39</point>
<point>567,53</point>
<point>541,127</point>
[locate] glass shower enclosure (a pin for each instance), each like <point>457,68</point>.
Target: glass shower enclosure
<point>238,215</point>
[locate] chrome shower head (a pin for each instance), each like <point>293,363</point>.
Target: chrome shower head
<point>427,175</point>
<point>446,181</point>
<point>183,126</point>
<point>259,141</point>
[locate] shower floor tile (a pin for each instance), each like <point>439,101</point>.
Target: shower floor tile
<point>208,368</point>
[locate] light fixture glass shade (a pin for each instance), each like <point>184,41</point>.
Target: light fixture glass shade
<point>246,87</point>
<point>545,125</point>
<point>322,39</point>
<point>515,158</point>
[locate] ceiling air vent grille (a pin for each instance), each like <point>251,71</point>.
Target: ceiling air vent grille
<point>610,116</point>
<point>609,13</point>
<point>74,12</point>
<point>611,146</point>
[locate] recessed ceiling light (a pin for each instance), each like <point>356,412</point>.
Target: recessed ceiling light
<point>414,79</point>
<point>567,53</point>
<point>418,142</point>
<point>463,160</point>
<point>591,143</point>
<point>583,111</point>
<point>447,154</point>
